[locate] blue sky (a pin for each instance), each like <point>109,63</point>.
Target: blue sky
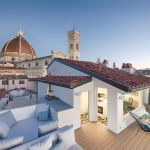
<point>119,30</point>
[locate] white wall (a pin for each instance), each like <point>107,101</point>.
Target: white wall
<point>53,114</point>
<point>112,107</point>
<point>15,85</point>
<point>31,85</point>
<point>145,96</point>
<point>84,88</point>
<point>65,94</point>
<point>130,70</point>
<point>102,84</point>
<point>59,69</point>
<point>70,116</point>
<point>84,103</point>
<point>42,89</point>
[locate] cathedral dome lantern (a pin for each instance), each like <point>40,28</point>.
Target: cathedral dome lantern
<point>17,49</point>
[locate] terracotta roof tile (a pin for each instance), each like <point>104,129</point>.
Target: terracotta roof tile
<point>13,46</point>
<point>128,79</point>
<point>67,80</point>
<point>9,77</point>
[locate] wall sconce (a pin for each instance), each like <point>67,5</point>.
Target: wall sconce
<point>122,97</point>
<point>77,94</point>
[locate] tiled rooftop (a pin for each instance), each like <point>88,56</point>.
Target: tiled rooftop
<point>12,68</point>
<point>63,79</point>
<point>9,77</point>
<point>128,79</point>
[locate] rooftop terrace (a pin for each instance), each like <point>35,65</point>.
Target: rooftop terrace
<point>94,136</point>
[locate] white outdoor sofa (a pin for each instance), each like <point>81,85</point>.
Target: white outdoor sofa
<point>55,140</point>
<point>27,124</point>
<point>16,93</point>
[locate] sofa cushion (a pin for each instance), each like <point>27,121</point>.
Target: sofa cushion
<point>44,144</point>
<point>68,137</point>
<point>2,104</point>
<point>41,108</point>
<point>9,143</point>
<point>58,146</point>
<point>4,130</point>
<point>4,100</point>
<point>43,116</point>
<point>47,127</point>
<point>8,118</point>
<point>27,128</point>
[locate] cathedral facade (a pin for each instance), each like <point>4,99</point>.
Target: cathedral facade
<point>21,53</point>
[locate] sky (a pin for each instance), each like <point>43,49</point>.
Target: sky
<point>119,30</point>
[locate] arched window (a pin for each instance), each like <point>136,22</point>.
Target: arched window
<point>46,63</point>
<point>22,66</point>
<point>77,46</point>
<point>36,63</point>
<point>71,46</point>
<point>28,65</point>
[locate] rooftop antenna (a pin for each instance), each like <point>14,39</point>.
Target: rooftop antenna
<point>74,26</point>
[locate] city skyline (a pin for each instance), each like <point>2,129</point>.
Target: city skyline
<point>118,31</point>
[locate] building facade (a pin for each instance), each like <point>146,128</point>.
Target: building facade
<point>74,45</point>
<point>21,53</point>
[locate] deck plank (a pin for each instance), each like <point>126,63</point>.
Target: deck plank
<point>95,136</point>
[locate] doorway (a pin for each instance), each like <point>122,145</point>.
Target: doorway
<point>84,109</point>
<point>102,106</point>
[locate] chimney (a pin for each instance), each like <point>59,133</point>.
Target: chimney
<point>105,63</point>
<point>49,77</point>
<point>99,66</point>
<point>127,67</point>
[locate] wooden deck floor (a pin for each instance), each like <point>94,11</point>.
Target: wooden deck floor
<point>94,136</point>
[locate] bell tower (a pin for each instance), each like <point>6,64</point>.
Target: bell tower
<point>73,45</point>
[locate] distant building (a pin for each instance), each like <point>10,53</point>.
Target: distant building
<point>11,69</point>
<point>22,53</point>
<point>15,81</point>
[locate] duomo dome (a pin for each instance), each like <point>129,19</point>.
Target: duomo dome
<point>17,49</point>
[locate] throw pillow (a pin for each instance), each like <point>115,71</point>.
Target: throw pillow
<point>43,116</point>
<point>67,136</point>
<point>8,118</point>
<point>58,146</point>
<point>4,130</point>
<point>144,121</point>
<point>44,144</point>
<point>41,108</point>
<point>2,104</point>
<point>47,128</point>
<point>11,142</point>
<point>147,127</point>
